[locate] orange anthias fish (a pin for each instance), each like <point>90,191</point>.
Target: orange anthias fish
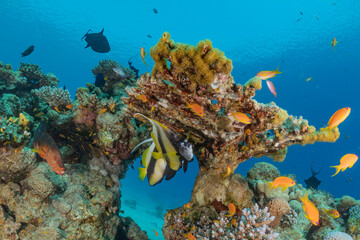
<point>188,205</point>
<point>332,213</point>
<point>263,75</point>
<point>241,117</point>
<point>189,236</point>
<point>338,117</point>
<point>283,182</point>
<point>271,88</point>
<point>57,109</point>
<point>46,147</point>
<point>195,108</point>
<point>142,97</point>
<point>102,110</point>
<point>347,161</point>
<point>156,233</point>
<point>333,43</point>
<point>232,210</point>
<point>69,106</point>
<point>228,172</point>
<point>111,107</point>
<point>143,54</point>
<point>311,211</point>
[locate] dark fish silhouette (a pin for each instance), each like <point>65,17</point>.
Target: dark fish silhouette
<point>299,19</point>
<point>135,70</point>
<point>301,13</point>
<point>313,182</point>
<point>99,80</point>
<point>28,51</point>
<point>149,36</point>
<point>97,41</point>
<point>155,10</point>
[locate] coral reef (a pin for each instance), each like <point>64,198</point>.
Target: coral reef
<point>337,236</point>
<point>53,96</point>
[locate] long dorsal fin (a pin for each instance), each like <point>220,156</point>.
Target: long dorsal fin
<point>145,141</point>
<point>102,32</point>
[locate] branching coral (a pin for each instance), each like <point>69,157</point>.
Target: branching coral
<point>55,97</point>
<point>219,140</point>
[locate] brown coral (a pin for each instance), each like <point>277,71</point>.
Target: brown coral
<point>277,208</point>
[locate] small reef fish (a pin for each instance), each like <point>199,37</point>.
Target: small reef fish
<point>69,106</point>
<point>241,117</point>
<point>143,54</point>
<point>311,212</point>
<point>99,80</point>
<point>57,109</point>
<point>317,18</point>
<point>168,155</point>
<point>228,172</point>
<point>308,79</point>
<point>119,71</point>
<point>111,107</point>
<point>195,108</point>
<point>156,232</point>
<point>298,20</point>
<point>149,36</point>
<point>282,182</point>
<point>142,97</point>
<point>232,210</point>
<point>189,236</point>
<point>263,75</point>
<point>155,10</point>
<point>338,117</point>
<point>332,213</point>
<point>97,41</point>
<point>333,43</point>
<point>28,51</point>
<point>188,205</point>
<point>271,87</point>
<point>347,161</point>
<point>46,147</point>
<point>102,110</point>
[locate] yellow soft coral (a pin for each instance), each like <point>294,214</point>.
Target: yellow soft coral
<point>320,136</point>
<point>23,120</point>
<point>200,64</point>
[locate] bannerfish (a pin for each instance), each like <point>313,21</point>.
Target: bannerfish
<point>313,182</point>
<point>97,41</point>
<point>171,152</point>
<point>46,147</point>
<point>99,80</point>
<point>28,51</point>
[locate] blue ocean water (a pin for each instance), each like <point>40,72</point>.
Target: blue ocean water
<point>256,35</point>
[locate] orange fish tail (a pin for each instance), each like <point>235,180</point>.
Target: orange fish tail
<point>338,168</point>
<point>269,185</point>
<point>327,129</point>
<point>277,70</point>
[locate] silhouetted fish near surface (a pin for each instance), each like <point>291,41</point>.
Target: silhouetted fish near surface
<point>99,80</point>
<point>155,10</point>
<point>301,13</point>
<point>46,147</point>
<point>28,51</point>
<point>299,19</point>
<point>97,41</point>
<point>149,36</point>
<point>313,182</point>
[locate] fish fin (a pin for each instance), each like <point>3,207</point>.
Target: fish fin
<point>277,70</point>
<point>327,129</point>
<point>174,160</point>
<point>88,45</point>
<point>102,31</point>
<point>185,165</point>
<point>156,155</point>
<point>142,173</point>
<point>269,185</point>
<point>145,155</point>
<point>338,168</point>
<point>283,188</point>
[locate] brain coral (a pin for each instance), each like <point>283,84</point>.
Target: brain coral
<point>337,236</point>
